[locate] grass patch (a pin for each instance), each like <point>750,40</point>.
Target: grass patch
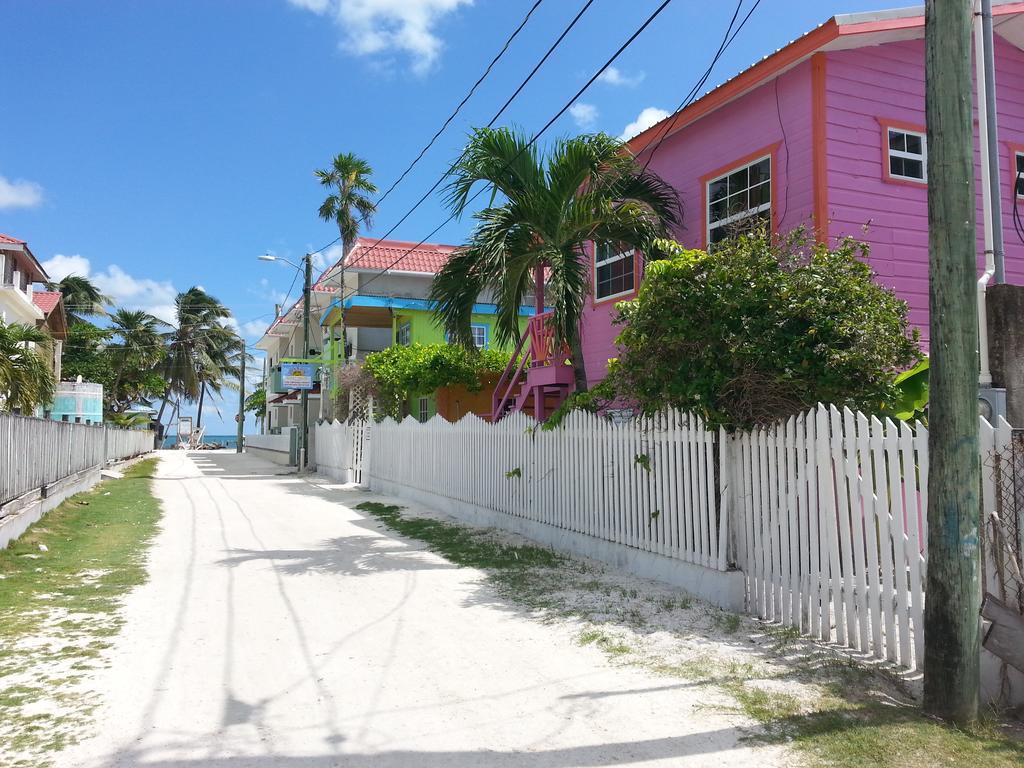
<point>61,584</point>
<point>461,545</point>
<point>613,646</point>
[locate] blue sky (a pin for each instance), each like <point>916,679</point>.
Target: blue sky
<point>165,144</point>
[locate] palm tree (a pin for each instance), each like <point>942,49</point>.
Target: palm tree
<point>219,365</point>
<point>349,178</point>
<point>26,377</point>
<point>544,210</point>
<point>81,297</point>
<point>198,315</point>
<point>138,348</point>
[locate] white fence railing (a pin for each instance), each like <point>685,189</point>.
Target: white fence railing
<point>650,484</point>
<point>340,450</point>
<point>824,513</point>
<point>38,452</point>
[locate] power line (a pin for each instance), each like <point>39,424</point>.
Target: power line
<point>727,40</point>
<point>562,111</point>
<point>462,103</point>
<point>455,112</point>
<point>490,123</point>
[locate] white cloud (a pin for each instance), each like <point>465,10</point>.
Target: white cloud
<point>60,266</point>
<point>123,289</point>
<point>585,115</point>
<point>19,193</point>
<point>615,76</point>
<point>382,27</point>
<point>253,329</point>
<point>648,116</point>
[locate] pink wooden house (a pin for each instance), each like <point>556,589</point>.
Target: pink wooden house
<point>827,132</point>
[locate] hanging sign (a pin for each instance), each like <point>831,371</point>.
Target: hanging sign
<point>297,375</point>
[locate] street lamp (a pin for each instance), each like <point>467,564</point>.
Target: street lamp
<point>307,268</point>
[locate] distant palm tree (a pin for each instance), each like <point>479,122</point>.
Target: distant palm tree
<point>26,376</point>
<point>219,365</point>
<point>138,347</point>
<point>81,297</point>
<point>349,178</point>
<point>545,209</point>
<point>198,316</point>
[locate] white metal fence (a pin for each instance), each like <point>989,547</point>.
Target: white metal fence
<point>824,513</point>
<point>38,452</point>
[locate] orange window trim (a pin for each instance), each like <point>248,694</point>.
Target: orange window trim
<point>819,140</point>
<point>898,125</point>
<point>1015,149</point>
<point>772,150</point>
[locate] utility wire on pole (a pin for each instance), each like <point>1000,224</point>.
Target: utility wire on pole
<point>952,625</point>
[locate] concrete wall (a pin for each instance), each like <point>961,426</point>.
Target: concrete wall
<point>722,588</point>
<point>18,515</point>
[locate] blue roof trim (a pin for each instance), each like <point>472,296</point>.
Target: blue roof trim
<point>393,302</point>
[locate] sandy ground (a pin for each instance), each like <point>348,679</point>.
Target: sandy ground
<point>281,627</point>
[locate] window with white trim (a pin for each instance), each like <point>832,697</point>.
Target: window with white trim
<point>478,332</point>
<point>404,334</point>
<point>739,200</point>
<point>613,271</point>
<point>1019,183</point>
<point>908,155</point>
<point>424,409</point>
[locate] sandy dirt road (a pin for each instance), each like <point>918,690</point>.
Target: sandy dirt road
<point>281,627</point>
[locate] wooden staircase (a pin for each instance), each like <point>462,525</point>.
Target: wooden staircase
<point>538,378</point>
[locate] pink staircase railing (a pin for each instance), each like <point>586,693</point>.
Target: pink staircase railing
<point>540,352</point>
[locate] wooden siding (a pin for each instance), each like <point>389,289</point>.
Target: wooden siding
<point>729,134</point>
<point>865,88</point>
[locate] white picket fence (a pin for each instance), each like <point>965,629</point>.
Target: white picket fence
<point>823,514</point>
<point>38,452</point>
<point>833,535</point>
<point>339,450</point>
<point>650,484</point>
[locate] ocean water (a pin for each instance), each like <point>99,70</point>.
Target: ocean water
<point>226,441</point>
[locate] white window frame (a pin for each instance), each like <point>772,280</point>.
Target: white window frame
<point>404,332</point>
<point>482,327</point>
<point>616,256</point>
<point>709,226</point>
<point>423,408</point>
<point>473,328</point>
<point>891,153</point>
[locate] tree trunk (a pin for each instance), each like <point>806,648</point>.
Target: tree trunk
<point>579,369</point>
<point>951,622</point>
<point>199,412</point>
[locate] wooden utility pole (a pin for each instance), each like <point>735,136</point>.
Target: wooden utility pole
<point>951,622</point>
<point>240,418</point>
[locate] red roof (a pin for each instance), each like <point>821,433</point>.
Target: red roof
<point>10,240</point>
<point>398,256</point>
<point>387,256</point>
<point>45,300</point>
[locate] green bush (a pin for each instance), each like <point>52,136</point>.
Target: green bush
<point>400,372</point>
<point>761,329</point>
